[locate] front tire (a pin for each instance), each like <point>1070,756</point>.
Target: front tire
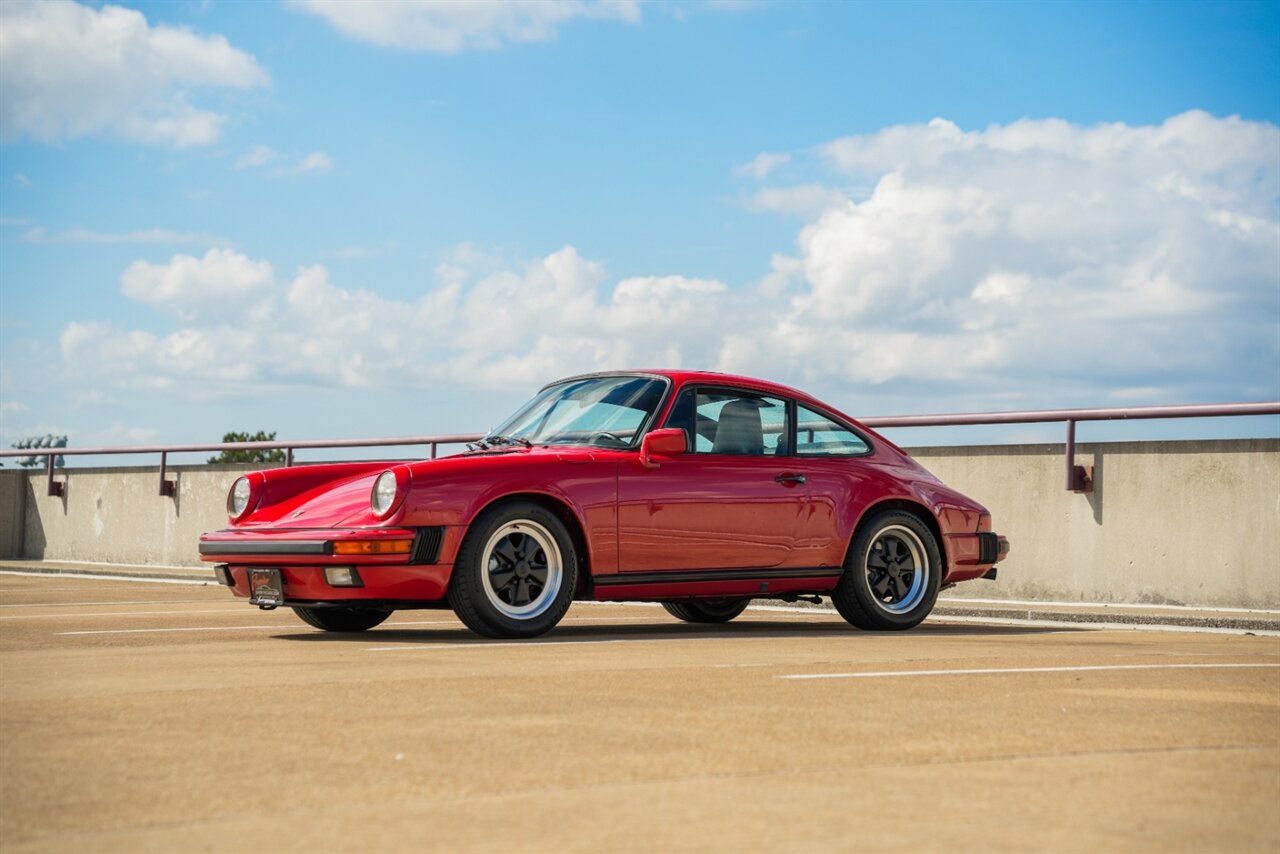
<point>515,573</point>
<point>706,611</point>
<point>341,619</point>
<point>892,574</point>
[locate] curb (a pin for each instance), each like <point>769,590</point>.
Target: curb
<point>1113,616</point>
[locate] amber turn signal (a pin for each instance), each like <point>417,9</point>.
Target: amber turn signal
<point>372,547</point>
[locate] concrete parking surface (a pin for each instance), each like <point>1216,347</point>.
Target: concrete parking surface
<point>162,717</point>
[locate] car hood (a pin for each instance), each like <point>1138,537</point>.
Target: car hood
<point>344,501</point>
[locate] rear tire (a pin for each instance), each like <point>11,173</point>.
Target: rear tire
<point>341,619</point>
<point>892,573</point>
<point>515,573</point>
<point>706,611</point>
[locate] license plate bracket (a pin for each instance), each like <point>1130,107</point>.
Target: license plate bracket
<point>266,587</point>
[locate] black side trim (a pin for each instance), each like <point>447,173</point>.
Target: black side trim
<point>693,576</point>
<point>269,547</point>
<point>426,546</point>
<point>988,548</point>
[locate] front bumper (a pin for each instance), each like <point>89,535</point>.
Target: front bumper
<point>416,576</point>
<point>393,586</point>
<point>322,546</point>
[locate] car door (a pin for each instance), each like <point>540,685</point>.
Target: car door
<point>732,502</point>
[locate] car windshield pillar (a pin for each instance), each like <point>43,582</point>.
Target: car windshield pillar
<point>600,411</point>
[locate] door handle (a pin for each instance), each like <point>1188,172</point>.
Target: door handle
<point>790,478</point>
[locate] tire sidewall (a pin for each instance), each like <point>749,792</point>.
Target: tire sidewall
<point>352,619</point>
<point>711,611</point>
<point>467,585</point>
<point>855,583</point>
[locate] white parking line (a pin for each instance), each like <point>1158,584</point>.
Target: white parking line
<point>479,643</point>
<point>389,625</point>
<point>95,577</point>
<point>244,611</point>
<point>880,674</point>
<point>98,604</point>
<point>162,631</point>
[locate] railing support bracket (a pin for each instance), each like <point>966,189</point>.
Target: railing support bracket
<point>56,487</point>
<point>1079,478</point>
<point>168,488</point>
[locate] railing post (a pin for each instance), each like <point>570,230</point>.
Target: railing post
<point>1079,478</point>
<point>288,457</point>
<point>56,488</point>
<point>167,487</point>
<point>433,450</point>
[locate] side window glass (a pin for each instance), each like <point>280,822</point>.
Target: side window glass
<point>818,435</point>
<point>728,422</point>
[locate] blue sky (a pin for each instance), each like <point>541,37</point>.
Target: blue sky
<point>371,219</point>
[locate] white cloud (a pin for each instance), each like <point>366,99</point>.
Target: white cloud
<point>262,155</point>
<point>21,180</point>
<point>259,155</point>
<point>222,283</point>
<point>71,70</point>
<point>149,235</point>
<point>763,164</point>
<point>1043,256</point>
<point>443,26</point>
<point>1033,264</point>
<point>806,199</point>
<point>238,329</point>
<point>316,161</point>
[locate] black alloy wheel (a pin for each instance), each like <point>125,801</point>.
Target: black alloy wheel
<point>891,575</point>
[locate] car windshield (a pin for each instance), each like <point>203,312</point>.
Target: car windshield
<point>607,412</point>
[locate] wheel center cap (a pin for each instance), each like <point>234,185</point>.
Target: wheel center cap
<point>522,569</point>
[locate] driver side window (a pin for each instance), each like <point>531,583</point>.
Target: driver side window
<point>731,422</point>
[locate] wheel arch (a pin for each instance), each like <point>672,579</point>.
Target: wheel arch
<point>916,509</point>
<point>572,523</point>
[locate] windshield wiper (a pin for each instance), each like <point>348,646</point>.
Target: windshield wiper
<point>495,441</point>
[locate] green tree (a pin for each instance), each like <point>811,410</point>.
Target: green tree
<point>255,456</point>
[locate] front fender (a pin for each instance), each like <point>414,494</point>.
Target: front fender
<point>454,495</point>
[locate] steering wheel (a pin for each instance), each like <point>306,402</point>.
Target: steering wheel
<point>607,436</point>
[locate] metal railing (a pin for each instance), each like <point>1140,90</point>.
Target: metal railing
<point>169,487</point>
<point>1079,478</point>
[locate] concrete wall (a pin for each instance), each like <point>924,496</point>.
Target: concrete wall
<point>1194,523</point>
<point>115,515</point>
<point>13,512</point>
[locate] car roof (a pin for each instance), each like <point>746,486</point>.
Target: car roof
<point>683,377</point>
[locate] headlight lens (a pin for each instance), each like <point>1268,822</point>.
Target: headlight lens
<point>384,493</point>
<point>238,498</point>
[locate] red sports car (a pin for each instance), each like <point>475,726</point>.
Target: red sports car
<point>701,491</point>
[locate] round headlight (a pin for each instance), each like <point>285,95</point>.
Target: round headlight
<point>384,493</point>
<point>238,498</point>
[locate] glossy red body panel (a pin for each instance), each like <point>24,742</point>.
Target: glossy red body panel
<point>688,513</point>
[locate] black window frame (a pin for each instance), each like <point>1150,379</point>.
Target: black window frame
<point>789,423</point>
<point>795,426</point>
